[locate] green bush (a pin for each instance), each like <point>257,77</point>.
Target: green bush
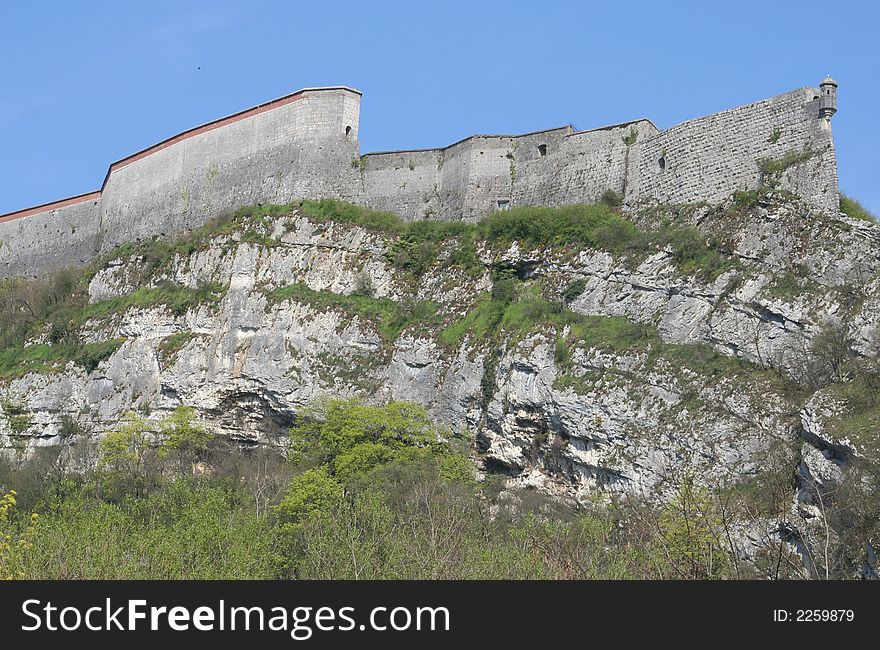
<point>694,252</point>
<point>612,199</point>
<point>574,290</point>
<point>188,531</point>
<point>856,210</point>
<point>388,316</point>
<point>592,226</point>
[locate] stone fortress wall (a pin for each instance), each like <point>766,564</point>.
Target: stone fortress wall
<point>300,145</point>
<point>305,145</point>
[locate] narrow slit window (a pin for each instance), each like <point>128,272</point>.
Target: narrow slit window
<point>542,149</point>
<point>347,131</point>
<point>662,163</point>
<point>504,205</point>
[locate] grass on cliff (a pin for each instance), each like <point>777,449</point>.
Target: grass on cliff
<point>514,310</point>
<point>860,422</point>
<point>856,210</point>
<point>389,317</point>
<point>416,244</point>
<point>18,361</point>
<point>53,309</point>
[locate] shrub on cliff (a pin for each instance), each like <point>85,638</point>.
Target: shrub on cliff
<point>856,210</point>
<point>594,226</point>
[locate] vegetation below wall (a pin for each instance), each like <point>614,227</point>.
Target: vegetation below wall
<point>856,210</point>
<point>367,492</point>
<point>382,492</point>
<point>41,321</point>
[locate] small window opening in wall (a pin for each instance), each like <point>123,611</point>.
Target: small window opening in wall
<point>662,163</point>
<point>542,149</point>
<point>347,131</point>
<point>504,205</point>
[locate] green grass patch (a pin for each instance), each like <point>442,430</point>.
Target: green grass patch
<point>342,212</point>
<point>529,312</point>
<point>773,168</point>
<point>414,246</point>
<point>860,423</point>
<point>155,256</point>
<point>178,299</point>
<point>787,286</point>
<point>171,345</point>
<point>389,317</point>
<point>693,252</point>
<point>852,208</point>
<point>43,358</point>
<point>591,226</point>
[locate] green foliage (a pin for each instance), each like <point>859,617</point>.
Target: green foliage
<point>26,305</point>
<point>746,198</point>
<point>126,456</point>
<point>574,290</point>
<point>262,213</point>
<point>788,285</point>
<point>188,531</point>
<point>775,134</point>
<point>338,426</point>
<point>310,493</point>
<point>15,544</point>
<point>612,199</point>
<point>42,358</point>
<point>478,321</point>
<point>342,212</point>
<point>856,210</point>
<point>693,252</point>
<point>630,138</point>
<point>860,421</point>
<point>58,304</point>
<point>389,317</point>
<point>414,246</point>
<point>385,497</point>
<point>17,415</point>
<point>184,437</point>
<point>591,226</point>
<point>359,163</point>
<point>346,441</point>
<point>178,299</point>
<point>692,538</point>
<point>171,345</point>
<point>772,169</point>
<point>526,311</point>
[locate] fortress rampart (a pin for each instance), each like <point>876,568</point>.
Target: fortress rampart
<point>305,145</point>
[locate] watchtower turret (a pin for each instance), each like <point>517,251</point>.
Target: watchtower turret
<point>827,98</point>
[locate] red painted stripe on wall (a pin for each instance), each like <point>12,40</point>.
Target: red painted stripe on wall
<point>48,207</point>
<point>180,137</point>
<point>198,130</point>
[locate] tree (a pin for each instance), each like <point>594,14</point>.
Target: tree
<point>351,436</point>
<point>185,438</point>
<point>312,492</point>
<point>127,458</point>
<point>14,545</point>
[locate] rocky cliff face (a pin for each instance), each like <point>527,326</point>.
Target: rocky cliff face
<point>579,368</point>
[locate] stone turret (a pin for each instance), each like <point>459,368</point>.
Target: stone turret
<point>827,98</point>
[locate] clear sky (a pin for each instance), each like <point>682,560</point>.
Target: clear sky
<point>87,83</point>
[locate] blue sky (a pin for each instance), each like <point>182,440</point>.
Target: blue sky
<point>86,83</point>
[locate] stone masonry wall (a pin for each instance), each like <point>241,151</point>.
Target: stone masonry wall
<point>59,236</point>
<point>301,145</point>
<point>708,158</point>
<point>305,145</point>
<point>298,150</point>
